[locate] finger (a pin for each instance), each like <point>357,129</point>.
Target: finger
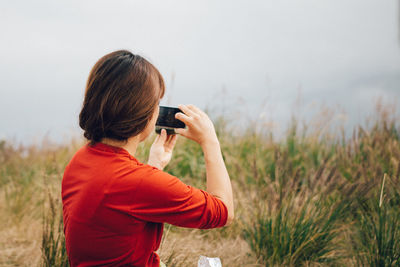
<point>181,131</point>
<point>172,137</point>
<point>191,107</point>
<point>186,110</point>
<point>169,137</point>
<point>163,136</point>
<point>171,143</point>
<point>196,110</point>
<point>182,117</point>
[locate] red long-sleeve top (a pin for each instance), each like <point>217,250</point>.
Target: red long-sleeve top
<point>114,208</point>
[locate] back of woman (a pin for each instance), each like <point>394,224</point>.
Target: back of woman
<point>114,206</point>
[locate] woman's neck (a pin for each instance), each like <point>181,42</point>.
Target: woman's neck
<point>129,145</point>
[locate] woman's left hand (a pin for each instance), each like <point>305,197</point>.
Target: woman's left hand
<point>161,150</point>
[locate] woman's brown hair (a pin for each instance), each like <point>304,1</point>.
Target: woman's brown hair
<point>122,92</point>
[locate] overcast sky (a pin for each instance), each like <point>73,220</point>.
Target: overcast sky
<point>220,54</point>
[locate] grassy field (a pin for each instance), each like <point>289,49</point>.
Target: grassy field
<point>308,198</point>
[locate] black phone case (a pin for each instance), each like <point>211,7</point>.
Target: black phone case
<point>166,118</point>
<point>169,131</point>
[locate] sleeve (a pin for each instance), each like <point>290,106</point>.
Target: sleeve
<point>161,197</point>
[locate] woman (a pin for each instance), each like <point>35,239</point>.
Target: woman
<point>114,206</point>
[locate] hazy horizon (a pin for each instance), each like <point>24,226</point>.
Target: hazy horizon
<point>223,55</point>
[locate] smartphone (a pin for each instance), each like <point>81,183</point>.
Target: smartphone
<point>166,120</point>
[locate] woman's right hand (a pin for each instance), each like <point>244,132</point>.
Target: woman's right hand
<point>201,129</point>
<point>199,126</point>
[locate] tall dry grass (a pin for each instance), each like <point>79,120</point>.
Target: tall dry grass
<point>308,199</point>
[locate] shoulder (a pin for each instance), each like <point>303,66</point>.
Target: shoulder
<point>79,154</point>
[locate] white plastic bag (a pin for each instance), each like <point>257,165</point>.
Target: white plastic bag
<point>209,262</point>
